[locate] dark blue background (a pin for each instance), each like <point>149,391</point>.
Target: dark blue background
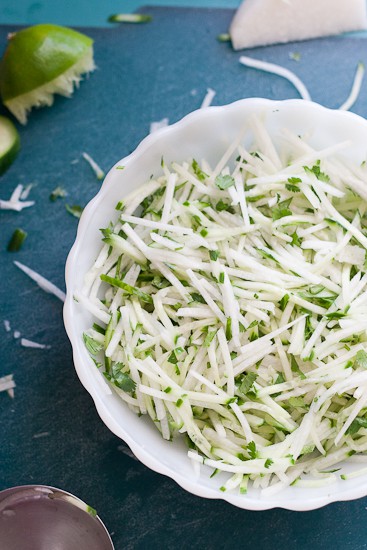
<point>50,432</point>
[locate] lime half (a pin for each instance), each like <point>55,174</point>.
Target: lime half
<point>41,61</point>
<point>9,143</point>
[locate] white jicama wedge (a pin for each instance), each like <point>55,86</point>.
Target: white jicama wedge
<point>262,22</point>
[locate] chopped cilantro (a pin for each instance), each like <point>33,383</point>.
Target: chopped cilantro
<point>356,425</point>
<point>247,382</point>
<point>361,359</point>
<point>198,171</point>
<point>282,209</point>
<point>224,182</point>
<point>91,344</point>
<point>316,171</point>
<point>16,241</point>
<point>58,193</point>
<point>74,209</point>
<point>283,302</point>
<point>251,449</point>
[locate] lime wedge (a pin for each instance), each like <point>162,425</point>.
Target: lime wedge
<point>9,143</point>
<point>41,61</point>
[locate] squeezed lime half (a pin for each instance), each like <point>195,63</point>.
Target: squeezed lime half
<point>41,61</point>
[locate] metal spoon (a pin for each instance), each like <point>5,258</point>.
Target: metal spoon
<point>38,517</point>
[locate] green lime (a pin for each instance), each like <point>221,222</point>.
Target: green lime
<point>41,61</point>
<point>9,143</point>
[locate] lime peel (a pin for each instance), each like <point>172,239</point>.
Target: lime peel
<point>9,143</point>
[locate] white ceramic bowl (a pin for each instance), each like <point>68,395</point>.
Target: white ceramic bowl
<point>201,134</point>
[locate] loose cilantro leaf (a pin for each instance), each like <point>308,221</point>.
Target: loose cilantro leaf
<point>268,462</point>
<point>280,379</point>
<point>317,172</point>
<point>247,382</point>
<point>92,345</point>
<point>296,241</point>
<point>335,315</point>
<point>197,298</point>
<point>292,188</point>
<point>356,425</point>
<point>295,368</point>
<point>224,182</point>
<point>251,449</point>
<point>120,379</point>
<point>221,205</point>
<point>361,359</point>
<point>213,254</point>
<point>282,209</point>
<point>172,358</point>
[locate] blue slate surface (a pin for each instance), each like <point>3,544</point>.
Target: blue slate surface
<point>50,432</point>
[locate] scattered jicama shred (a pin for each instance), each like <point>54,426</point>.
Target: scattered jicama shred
<point>231,307</point>
<point>15,202</point>
<point>278,70</point>
<point>157,125</point>
<point>42,282</point>
<point>7,325</point>
<point>95,167</point>
<point>356,88</point>
<point>7,384</point>
<point>35,345</point>
<point>209,96</point>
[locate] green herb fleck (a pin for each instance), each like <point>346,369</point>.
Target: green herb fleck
<point>16,241</point>
<point>129,18</point>
<point>74,209</point>
<point>198,171</point>
<point>295,56</point>
<point>91,511</point>
<point>283,302</point>
<point>209,337</point>
<point>229,328</point>
<point>58,193</point>
<point>224,37</point>
<point>213,255</point>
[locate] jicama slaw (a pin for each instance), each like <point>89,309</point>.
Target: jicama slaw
<point>230,306</point>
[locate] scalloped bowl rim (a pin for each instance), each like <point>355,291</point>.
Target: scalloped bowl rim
<point>311,500</point>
